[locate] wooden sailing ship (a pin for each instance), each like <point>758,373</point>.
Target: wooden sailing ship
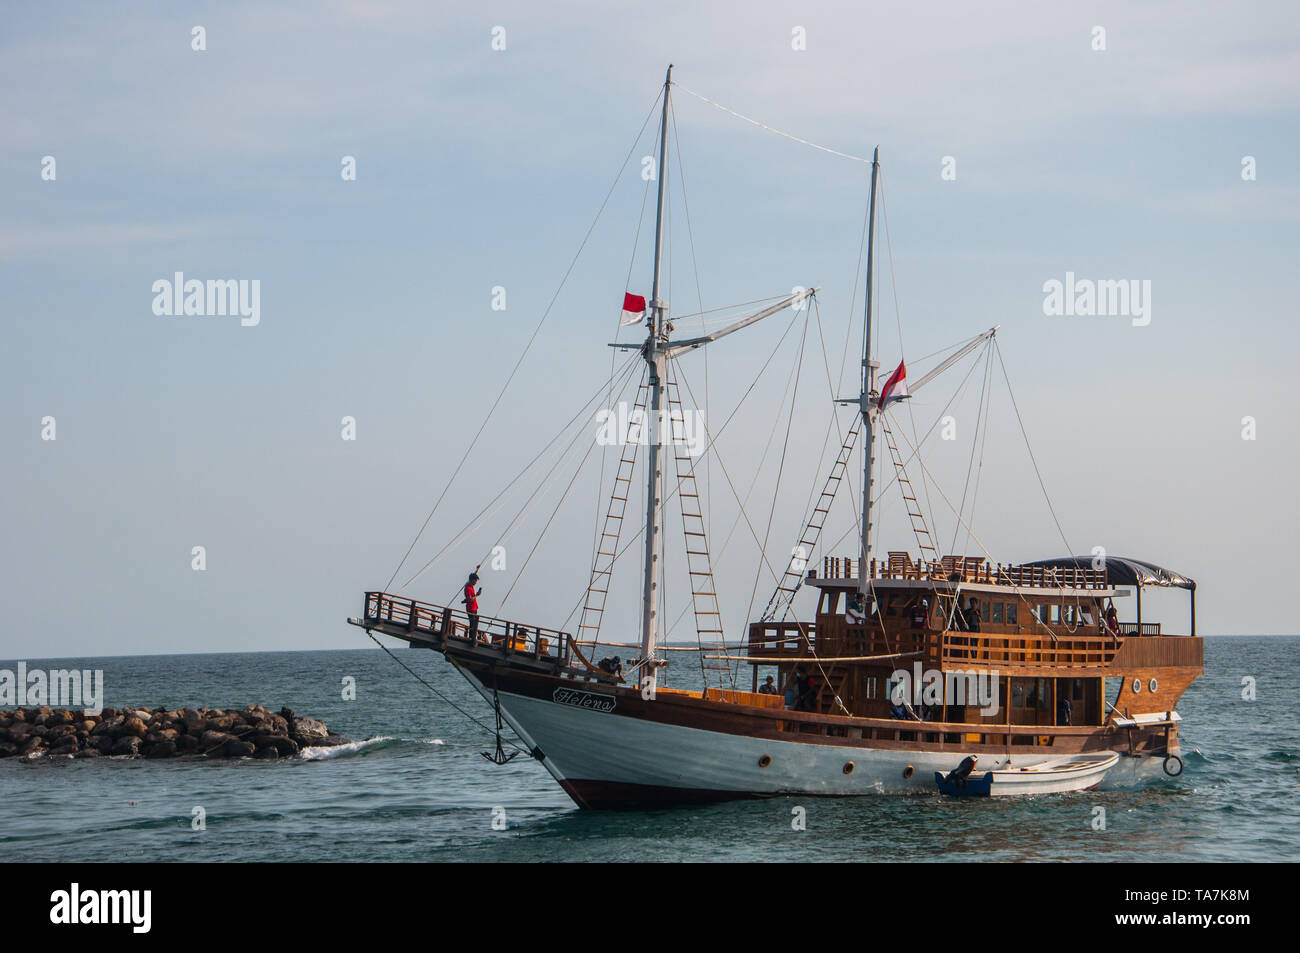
<point>1061,675</point>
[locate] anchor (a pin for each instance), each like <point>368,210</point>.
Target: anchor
<point>499,756</point>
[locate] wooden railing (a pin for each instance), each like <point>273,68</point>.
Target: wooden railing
<point>967,569</point>
<point>1028,652</point>
<point>447,623</point>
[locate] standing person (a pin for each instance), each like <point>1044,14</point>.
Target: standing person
<point>856,614</point>
<point>471,604</point>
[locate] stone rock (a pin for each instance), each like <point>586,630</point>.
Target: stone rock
<point>102,743</point>
<point>266,753</point>
<point>107,724</point>
<point>19,731</point>
<point>187,744</point>
<point>133,725</point>
<point>193,721</point>
<point>65,745</point>
<point>8,749</point>
<point>33,743</point>
<point>331,741</point>
<point>281,744</point>
<point>89,753</point>
<point>237,749</point>
<point>214,739</point>
<point>163,749</point>
<point>223,721</point>
<point>308,731</point>
<point>126,745</point>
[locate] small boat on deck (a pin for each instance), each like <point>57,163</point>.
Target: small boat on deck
<point>1053,776</point>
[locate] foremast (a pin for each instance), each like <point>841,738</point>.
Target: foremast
<point>656,357</point>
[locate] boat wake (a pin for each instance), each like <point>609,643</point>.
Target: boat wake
<point>347,750</point>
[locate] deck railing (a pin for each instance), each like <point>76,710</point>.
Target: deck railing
<point>1020,652</point>
<point>447,623</point>
<point>967,569</point>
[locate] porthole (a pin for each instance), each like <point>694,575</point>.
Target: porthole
<point>1152,685</point>
<point>1137,686</point>
<point>764,761</point>
<point>907,772</point>
<point>848,767</point>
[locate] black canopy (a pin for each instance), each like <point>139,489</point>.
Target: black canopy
<point>1123,571</point>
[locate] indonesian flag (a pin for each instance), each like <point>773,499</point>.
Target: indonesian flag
<point>633,310</point>
<point>896,387</point>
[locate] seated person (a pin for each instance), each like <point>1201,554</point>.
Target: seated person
<point>768,687</point>
<point>897,710</point>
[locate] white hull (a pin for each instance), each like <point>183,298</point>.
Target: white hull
<point>600,748</point>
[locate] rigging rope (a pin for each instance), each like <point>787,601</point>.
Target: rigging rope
<point>755,122</point>
<point>527,347</point>
<point>480,724</point>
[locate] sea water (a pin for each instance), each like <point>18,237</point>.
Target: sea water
<point>414,786</point>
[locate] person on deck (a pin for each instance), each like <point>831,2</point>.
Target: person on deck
<point>768,687</point>
<point>857,611</point>
<point>471,604</point>
<point>973,615</point>
<point>1112,620</point>
<point>1063,711</point>
<point>920,613</point>
<point>806,686</point>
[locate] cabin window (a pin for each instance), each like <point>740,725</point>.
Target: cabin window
<point>997,612</point>
<point>1044,693</point>
<point>1054,614</point>
<point>1076,689</point>
<point>984,610</point>
<point>871,686</point>
<point>1017,696</point>
<point>1042,613</point>
<point>1011,613</point>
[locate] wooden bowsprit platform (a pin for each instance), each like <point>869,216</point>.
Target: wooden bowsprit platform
<point>447,630</point>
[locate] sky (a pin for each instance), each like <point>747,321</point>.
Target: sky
<point>1020,143</point>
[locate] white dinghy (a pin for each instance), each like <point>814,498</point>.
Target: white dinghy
<point>1081,772</point>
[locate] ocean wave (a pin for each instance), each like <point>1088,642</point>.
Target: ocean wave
<point>345,750</point>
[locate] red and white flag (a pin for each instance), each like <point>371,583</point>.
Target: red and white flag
<point>633,310</point>
<point>896,387</point>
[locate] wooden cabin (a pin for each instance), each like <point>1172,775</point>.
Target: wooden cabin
<point>1042,630</point>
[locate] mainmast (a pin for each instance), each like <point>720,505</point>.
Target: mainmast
<point>869,415</point>
<point>655,354</point>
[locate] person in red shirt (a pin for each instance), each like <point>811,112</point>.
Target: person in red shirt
<point>471,604</point>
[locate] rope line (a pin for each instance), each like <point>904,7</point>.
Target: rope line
<point>527,347</point>
<point>761,125</point>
